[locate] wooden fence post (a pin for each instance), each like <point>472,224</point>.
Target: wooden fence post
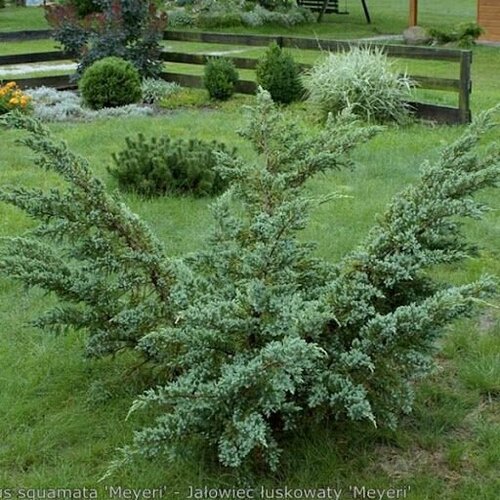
<point>413,20</point>
<point>465,86</point>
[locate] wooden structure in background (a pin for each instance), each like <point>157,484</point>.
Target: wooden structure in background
<point>413,19</point>
<point>488,17</point>
<point>330,7</point>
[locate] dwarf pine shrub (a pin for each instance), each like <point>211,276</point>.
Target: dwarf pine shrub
<point>361,80</point>
<point>162,166</point>
<point>253,334</point>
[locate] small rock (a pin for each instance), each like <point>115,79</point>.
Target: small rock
<point>416,35</point>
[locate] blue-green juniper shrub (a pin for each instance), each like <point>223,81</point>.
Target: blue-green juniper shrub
<point>254,334</point>
<point>108,270</point>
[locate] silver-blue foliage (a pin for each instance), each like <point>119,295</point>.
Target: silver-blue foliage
<point>254,334</point>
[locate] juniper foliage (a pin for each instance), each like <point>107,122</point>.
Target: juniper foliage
<point>108,270</point>
<point>254,334</point>
<point>271,334</point>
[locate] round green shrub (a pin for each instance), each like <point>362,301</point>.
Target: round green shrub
<point>220,78</point>
<point>109,83</point>
<point>278,73</point>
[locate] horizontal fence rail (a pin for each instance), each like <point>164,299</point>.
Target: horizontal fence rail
<point>401,51</point>
<point>461,85</point>
<point>19,36</point>
<point>423,82</point>
<point>34,58</point>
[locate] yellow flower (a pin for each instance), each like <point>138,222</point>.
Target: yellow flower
<point>11,85</point>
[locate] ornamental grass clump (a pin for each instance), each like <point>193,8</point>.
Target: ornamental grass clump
<point>154,90</point>
<point>361,80</point>
<point>253,336</point>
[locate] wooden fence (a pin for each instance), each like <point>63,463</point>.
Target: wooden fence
<point>462,85</point>
<point>444,114</point>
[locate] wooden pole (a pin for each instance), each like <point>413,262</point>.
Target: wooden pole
<point>465,86</point>
<point>413,21</point>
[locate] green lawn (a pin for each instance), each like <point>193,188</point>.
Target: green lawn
<point>63,416</point>
<point>22,18</point>
<point>388,17</point>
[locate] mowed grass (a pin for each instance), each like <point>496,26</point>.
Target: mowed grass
<point>63,416</point>
<point>388,17</point>
<point>13,18</point>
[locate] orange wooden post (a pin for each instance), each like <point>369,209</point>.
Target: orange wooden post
<point>413,21</point>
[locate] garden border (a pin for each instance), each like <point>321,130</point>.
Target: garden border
<point>461,85</point>
<point>440,113</point>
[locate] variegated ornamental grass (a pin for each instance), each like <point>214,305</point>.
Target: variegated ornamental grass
<point>361,80</point>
